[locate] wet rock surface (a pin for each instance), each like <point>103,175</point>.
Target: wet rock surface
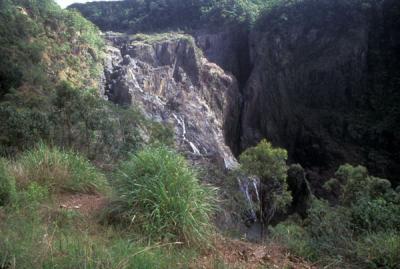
<point>170,81</point>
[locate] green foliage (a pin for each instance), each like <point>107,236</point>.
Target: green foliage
<point>374,204</point>
<point>77,119</point>
<point>58,171</point>
<point>33,194</point>
<point>29,240</point>
<point>159,195</point>
<point>362,230</point>
<point>7,184</point>
<point>269,164</point>
<point>293,237</point>
<point>376,214</point>
<point>160,15</point>
<point>23,120</point>
<point>40,44</point>
<point>330,231</point>
<point>380,250</point>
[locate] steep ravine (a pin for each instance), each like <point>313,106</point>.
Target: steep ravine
<point>229,48</point>
<point>319,78</point>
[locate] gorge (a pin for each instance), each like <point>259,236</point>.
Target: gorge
<point>313,78</point>
<point>200,134</point>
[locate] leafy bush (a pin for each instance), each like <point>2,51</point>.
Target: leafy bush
<point>361,230</point>
<point>380,250</point>
<point>269,164</point>
<point>7,184</point>
<point>330,231</point>
<point>376,215</point>
<point>58,170</point>
<point>76,119</point>
<point>159,195</point>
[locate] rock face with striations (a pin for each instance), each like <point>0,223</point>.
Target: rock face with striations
<point>167,77</point>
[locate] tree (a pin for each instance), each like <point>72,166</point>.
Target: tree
<point>269,165</point>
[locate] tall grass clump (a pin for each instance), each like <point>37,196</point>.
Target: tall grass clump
<point>159,195</point>
<point>60,171</point>
<point>7,184</point>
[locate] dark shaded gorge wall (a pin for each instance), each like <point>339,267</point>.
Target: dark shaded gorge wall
<point>325,84</point>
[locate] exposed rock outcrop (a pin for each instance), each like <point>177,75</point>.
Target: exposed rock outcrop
<point>167,77</point>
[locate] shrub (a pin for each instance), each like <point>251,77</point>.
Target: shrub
<point>376,215</point>
<point>360,231</point>
<point>7,184</point>
<point>58,170</point>
<point>294,237</point>
<point>330,231</point>
<point>380,250</point>
<point>159,194</point>
<point>269,164</point>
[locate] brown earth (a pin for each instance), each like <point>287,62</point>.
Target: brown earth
<point>87,204</point>
<point>246,255</point>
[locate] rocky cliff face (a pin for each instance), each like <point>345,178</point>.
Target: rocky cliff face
<point>314,87</point>
<point>320,78</point>
<point>167,77</point>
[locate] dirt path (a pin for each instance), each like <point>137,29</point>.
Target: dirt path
<point>86,204</point>
<point>241,254</point>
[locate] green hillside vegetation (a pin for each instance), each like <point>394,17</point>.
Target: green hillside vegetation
<point>41,44</point>
<point>361,231</point>
<point>161,15</point>
<point>61,142</point>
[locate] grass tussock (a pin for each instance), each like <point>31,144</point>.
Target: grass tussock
<point>7,184</point>
<point>58,170</point>
<point>159,195</point>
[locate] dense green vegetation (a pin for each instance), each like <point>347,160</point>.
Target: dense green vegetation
<point>160,15</point>
<point>362,230</point>
<point>41,44</point>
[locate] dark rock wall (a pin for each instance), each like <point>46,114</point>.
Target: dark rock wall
<point>319,79</point>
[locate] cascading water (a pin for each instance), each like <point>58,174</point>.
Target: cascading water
<point>181,123</point>
<point>249,186</point>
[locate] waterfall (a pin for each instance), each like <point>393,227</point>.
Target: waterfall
<point>181,122</point>
<point>247,185</point>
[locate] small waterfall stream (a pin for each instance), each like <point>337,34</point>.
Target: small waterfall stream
<point>181,122</point>
<point>249,186</point>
